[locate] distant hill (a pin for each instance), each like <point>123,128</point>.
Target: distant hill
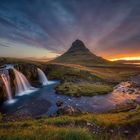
<point>129,61</point>
<point>79,54</point>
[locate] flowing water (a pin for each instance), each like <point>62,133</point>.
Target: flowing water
<point>6,81</point>
<point>42,77</point>
<point>43,100</point>
<point>34,103</point>
<point>22,84</point>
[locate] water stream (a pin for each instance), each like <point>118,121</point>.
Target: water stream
<point>6,81</point>
<point>22,84</point>
<point>43,100</point>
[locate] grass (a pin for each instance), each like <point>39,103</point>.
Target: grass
<point>45,133</point>
<point>78,80</point>
<point>105,119</point>
<point>66,73</point>
<point>73,127</point>
<point>116,74</point>
<point>84,89</point>
<point>112,74</point>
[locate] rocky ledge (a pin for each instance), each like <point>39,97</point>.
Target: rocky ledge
<point>127,87</point>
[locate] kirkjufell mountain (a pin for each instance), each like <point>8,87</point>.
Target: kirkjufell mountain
<point>79,54</point>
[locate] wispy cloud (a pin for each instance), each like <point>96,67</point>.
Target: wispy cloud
<point>3,45</point>
<point>52,24</point>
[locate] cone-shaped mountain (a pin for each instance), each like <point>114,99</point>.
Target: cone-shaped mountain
<point>79,54</point>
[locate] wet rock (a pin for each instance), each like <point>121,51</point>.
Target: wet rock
<point>89,124</point>
<point>126,132</point>
<point>59,103</point>
<point>111,131</point>
<point>131,91</point>
<point>127,87</point>
<point>68,110</point>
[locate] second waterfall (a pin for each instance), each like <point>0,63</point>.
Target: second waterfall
<point>22,84</point>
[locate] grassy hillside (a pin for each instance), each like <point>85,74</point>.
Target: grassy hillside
<point>78,80</point>
<point>118,126</point>
<point>79,54</point>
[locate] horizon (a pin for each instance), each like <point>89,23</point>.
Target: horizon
<point>47,33</point>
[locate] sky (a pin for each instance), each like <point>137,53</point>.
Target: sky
<point>47,28</point>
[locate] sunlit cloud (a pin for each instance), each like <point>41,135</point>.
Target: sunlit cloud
<point>126,58</point>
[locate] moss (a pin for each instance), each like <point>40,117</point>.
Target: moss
<point>84,88</point>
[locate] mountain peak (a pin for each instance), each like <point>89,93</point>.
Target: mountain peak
<point>77,46</point>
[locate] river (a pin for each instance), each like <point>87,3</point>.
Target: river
<point>43,102</point>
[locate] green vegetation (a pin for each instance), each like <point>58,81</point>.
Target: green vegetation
<point>107,126</point>
<point>115,74</point>
<point>85,88</point>
<point>45,133</point>
<point>78,80</point>
<point>67,73</point>
<point>104,119</point>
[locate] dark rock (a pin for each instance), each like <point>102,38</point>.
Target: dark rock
<point>126,132</point>
<point>59,103</point>
<point>68,110</point>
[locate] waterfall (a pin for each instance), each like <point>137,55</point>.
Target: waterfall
<point>6,80</point>
<point>42,77</point>
<point>22,84</point>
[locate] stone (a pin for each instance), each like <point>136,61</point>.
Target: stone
<point>59,103</point>
<point>68,110</point>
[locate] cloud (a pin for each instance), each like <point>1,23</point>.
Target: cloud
<point>3,45</point>
<point>53,24</point>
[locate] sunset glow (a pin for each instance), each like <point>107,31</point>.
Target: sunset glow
<point>126,58</point>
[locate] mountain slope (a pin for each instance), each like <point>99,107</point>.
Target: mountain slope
<point>79,54</point>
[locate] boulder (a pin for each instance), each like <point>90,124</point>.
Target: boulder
<point>59,103</point>
<point>68,110</point>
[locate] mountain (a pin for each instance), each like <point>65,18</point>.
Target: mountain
<point>79,54</point>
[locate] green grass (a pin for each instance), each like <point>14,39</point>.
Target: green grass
<point>104,119</point>
<point>45,133</point>
<point>116,74</point>
<point>77,82</point>
<point>72,127</point>
<point>84,89</point>
<point>66,73</point>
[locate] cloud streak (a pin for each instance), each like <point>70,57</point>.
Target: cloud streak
<point>51,24</point>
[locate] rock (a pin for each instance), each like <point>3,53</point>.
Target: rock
<point>68,110</point>
<point>131,91</point>
<point>126,132</point>
<point>111,131</point>
<point>127,87</point>
<point>89,124</point>
<point>59,103</point>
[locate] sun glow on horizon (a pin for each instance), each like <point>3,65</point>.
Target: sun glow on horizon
<point>125,58</point>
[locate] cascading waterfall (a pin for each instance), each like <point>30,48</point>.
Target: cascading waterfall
<point>23,86</point>
<point>42,77</point>
<point>6,80</point>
